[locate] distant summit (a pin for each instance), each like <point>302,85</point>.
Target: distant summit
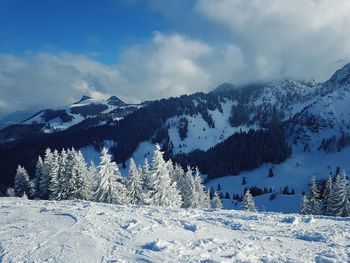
<point>83,98</point>
<point>115,101</point>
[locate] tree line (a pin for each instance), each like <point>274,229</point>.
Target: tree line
<point>332,200</point>
<point>65,175</point>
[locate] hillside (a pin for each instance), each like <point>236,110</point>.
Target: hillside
<point>81,231</point>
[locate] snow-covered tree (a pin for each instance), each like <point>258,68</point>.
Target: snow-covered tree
<point>340,201</point>
<point>313,198</point>
<point>53,170</point>
<point>110,186</point>
<point>10,192</point>
<point>327,196</point>
<point>22,184</point>
<point>217,201</point>
<point>248,201</point>
<point>45,180</point>
<point>135,193</point>
<point>186,187</point>
<point>305,208</point>
<point>165,192</point>
<point>38,175</point>
<point>200,196</point>
<point>82,180</point>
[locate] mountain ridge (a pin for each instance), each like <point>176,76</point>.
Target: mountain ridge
<point>201,121</point>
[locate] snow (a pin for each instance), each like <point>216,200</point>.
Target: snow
<point>295,173</point>
<point>200,135</point>
<point>81,231</point>
<point>56,124</point>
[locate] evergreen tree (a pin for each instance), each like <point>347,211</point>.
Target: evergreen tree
<point>110,187</point>
<point>53,170</point>
<point>82,180</point>
<point>200,196</point>
<point>10,192</point>
<point>327,196</point>
<point>271,173</point>
<point>135,192</point>
<point>340,201</point>
<point>313,198</point>
<point>45,180</point>
<point>248,201</point>
<point>38,175</point>
<point>217,201</point>
<point>147,182</point>
<point>187,189</point>
<point>22,184</point>
<point>91,179</point>
<point>165,192</point>
<point>61,192</point>
<point>305,208</point>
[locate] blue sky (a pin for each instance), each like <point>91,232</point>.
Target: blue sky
<point>54,51</point>
<point>100,28</point>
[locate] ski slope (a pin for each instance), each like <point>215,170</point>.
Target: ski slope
<point>81,231</point>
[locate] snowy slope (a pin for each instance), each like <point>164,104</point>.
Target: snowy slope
<point>295,173</point>
<point>76,231</point>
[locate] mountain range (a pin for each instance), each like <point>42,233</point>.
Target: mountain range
<point>232,130</point>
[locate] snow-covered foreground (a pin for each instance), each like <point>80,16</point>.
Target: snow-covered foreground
<point>81,231</point>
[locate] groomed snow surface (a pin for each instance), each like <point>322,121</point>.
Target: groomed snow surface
<point>81,231</point>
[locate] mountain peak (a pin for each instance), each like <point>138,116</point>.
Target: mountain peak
<point>341,76</point>
<point>113,100</point>
<point>84,97</point>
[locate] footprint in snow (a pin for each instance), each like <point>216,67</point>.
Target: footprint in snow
<point>189,227</point>
<point>156,245</point>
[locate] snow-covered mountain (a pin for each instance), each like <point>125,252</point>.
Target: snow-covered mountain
<point>296,128</point>
<point>85,113</point>
<point>85,110</point>
<point>82,231</point>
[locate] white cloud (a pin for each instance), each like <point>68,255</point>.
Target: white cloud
<point>51,80</point>
<point>297,38</point>
<point>171,65</point>
<point>164,66</point>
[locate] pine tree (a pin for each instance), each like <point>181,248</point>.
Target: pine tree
<point>313,198</point>
<point>165,192</point>
<point>217,201</point>
<point>200,196</point>
<point>91,179</point>
<point>22,184</point>
<point>147,182</point>
<point>187,189</point>
<point>10,192</point>
<point>340,201</point>
<point>45,179</point>
<point>305,208</point>
<point>38,175</point>
<point>110,187</point>
<point>327,195</point>
<point>82,182</point>
<point>61,192</point>
<point>53,170</point>
<point>248,201</point>
<point>135,192</point>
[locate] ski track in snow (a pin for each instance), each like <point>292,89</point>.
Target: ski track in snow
<point>81,231</point>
